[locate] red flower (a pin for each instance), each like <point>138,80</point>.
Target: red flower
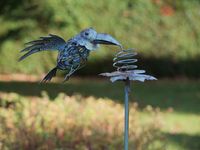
<point>166,10</point>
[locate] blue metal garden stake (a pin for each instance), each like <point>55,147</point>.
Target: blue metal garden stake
<point>126,71</point>
<point>73,54</point>
<point>126,113</point>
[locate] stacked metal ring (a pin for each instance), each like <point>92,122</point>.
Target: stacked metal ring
<point>124,60</point>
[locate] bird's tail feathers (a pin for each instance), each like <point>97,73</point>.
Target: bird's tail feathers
<point>49,76</point>
<point>28,53</point>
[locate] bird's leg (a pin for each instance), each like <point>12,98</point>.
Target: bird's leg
<point>68,75</point>
<point>72,70</point>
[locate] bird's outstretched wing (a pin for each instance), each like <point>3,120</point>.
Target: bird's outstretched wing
<point>51,42</point>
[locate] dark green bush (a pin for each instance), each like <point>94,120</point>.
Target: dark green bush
<point>160,29</point>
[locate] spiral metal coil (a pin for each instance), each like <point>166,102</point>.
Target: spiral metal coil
<point>124,60</point>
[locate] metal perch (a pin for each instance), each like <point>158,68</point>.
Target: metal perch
<point>126,71</point>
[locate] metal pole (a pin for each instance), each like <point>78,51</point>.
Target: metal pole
<point>126,113</point>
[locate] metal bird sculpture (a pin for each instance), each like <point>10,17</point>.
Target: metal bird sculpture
<point>72,54</point>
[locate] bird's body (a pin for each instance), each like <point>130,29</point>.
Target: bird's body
<point>72,58</point>
<point>73,54</point>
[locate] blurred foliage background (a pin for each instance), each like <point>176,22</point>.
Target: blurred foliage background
<point>88,114</point>
<point>165,33</point>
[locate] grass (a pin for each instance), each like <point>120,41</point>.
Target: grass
<point>178,101</point>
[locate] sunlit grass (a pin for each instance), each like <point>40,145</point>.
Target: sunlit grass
<point>176,101</point>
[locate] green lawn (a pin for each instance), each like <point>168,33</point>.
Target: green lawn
<point>179,102</point>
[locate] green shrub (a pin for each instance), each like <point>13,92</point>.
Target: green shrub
<point>73,123</point>
<point>158,28</point>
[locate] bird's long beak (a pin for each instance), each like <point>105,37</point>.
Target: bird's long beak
<point>107,39</point>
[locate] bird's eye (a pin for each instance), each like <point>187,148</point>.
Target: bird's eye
<point>86,33</point>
